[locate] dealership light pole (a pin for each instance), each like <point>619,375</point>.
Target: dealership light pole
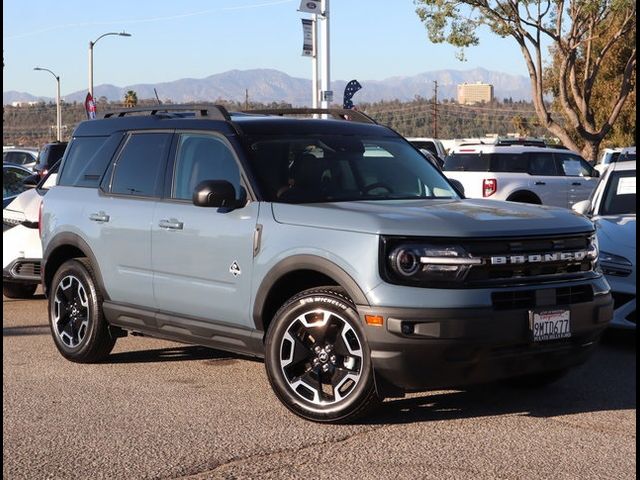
<point>325,80</point>
<point>91,44</point>
<point>314,63</point>
<point>58,109</point>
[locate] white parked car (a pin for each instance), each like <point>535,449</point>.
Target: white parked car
<point>433,145</point>
<point>23,156</point>
<point>21,246</point>
<point>613,209</point>
<point>612,155</point>
<point>517,173</point>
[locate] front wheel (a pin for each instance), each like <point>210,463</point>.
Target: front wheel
<point>77,323</point>
<point>317,358</point>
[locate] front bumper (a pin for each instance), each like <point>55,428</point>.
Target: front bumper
<point>447,348</point>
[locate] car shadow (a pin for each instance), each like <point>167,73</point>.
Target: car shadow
<point>38,296</point>
<point>26,330</point>
<point>606,382</point>
<point>175,354</point>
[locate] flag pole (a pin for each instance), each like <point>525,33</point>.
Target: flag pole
<point>314,63</point>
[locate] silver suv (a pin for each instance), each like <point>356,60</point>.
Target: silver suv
<point>329,247</point>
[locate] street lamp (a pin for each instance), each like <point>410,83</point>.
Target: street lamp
<point>58,109</point>
<point>91,44</point>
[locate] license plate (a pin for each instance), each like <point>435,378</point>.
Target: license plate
<point>549,325</point>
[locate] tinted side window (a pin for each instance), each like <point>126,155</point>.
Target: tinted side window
<point>542,164</point>
<point>12,179</point>
<point>509,162</point>
<point>467,162</point>
<point>573,166</point>
<point>87,159</point>
<point>139,167</point>
<point>202,157</point>
<point>19,158</point>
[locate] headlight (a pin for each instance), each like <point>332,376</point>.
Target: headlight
<point>423,263</point>
<point>617,265</point>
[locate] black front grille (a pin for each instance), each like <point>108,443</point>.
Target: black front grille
<point>530,271</point>
<point>575,294</point>
<point>541,298</point>
<point>513,300</point>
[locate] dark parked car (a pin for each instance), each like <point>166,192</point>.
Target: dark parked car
<point>49,155</point>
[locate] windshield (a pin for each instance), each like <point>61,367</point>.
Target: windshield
<point>338,168</point>
<point>620,194</point>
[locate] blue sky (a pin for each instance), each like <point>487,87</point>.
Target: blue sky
<point>370,40</point>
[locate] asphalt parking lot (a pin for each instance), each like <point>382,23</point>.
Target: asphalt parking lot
<point>158,409</point>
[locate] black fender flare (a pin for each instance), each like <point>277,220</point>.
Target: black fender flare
<point>304,262</point>
<point>74,240</point>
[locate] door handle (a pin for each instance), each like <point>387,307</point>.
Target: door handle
<point>99,217</point>
<point>171,224</point>
<point>541,183</point>
<point>576,183</point>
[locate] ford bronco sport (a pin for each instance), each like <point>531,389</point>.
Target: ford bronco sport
<point>329,247</point>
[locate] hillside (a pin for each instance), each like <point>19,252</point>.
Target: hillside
<point>268,85</point>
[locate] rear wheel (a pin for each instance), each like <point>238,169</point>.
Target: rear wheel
<point>77,323</point>
<point>18,290</point>
<point>317,358</point>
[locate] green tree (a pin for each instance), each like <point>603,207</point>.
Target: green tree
<point>130,99</point>
<point>581,34</point>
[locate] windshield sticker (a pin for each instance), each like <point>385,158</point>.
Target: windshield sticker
<point>627,186</point>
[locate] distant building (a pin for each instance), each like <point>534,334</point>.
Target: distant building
<point>470,93</point>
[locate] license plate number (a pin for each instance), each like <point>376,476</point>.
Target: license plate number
<point>550,325</point>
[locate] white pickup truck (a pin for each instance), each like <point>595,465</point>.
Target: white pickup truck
<point>527,174</point>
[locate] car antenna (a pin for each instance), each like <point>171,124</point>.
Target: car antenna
<point>157,97</point>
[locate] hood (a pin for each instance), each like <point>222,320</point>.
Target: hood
<point>441,218</point>
<point>616,230</point>
<point>25,206</point>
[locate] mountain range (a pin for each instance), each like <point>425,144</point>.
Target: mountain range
<point>269,85</point>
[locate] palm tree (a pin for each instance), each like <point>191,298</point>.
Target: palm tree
<point>130,99</point>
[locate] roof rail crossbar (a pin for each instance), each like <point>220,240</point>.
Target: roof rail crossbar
<point>339,113</point>
<point>214,112</point>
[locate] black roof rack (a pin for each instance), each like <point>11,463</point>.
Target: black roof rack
<point>340,113</point>
<point>214,112</point>
<point>524,142</point>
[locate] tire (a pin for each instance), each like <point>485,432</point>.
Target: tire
<point>77,323</point>
<point>18,290</point>
<point>317,358</point>
<point>537,380</point>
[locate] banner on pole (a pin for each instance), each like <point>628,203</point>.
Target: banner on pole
<point>352,87</point>
<point>90,107</point>
<point>307,42</point>
<point>309,6</point>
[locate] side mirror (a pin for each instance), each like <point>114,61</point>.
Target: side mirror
<point>457,186</point>
<point>31,181</point>
<point>582,207</point>
<point>215,193</point>
<point>595,173</point>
